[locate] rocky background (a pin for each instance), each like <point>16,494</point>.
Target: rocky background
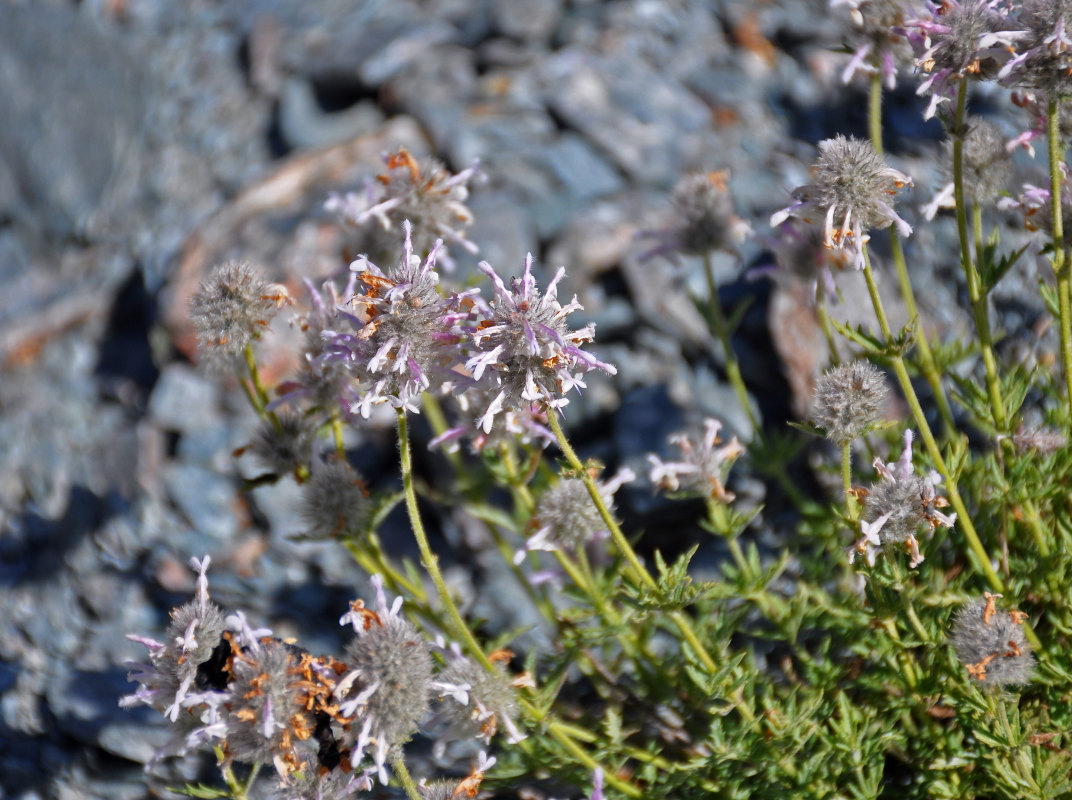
<point>143,141</point>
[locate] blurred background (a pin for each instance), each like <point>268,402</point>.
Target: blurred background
<point>144,141</point>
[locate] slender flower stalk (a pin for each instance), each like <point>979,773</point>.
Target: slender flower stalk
<point>722,331</point>
<point>976,295</point>
<point>1060,257</point>
<point>926,357</point>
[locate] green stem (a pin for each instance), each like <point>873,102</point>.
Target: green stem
<point>975,290</point>
<point>722,331</point>
<point>963,518</point>
<point>428,558</point>
<point>336,433</point>
<point>579,753</point>
<point>259,397</point>
<point>401,771</point>
<point>846,479</point>
<point>639,572</point>
<point>1060,258</point>
<point>926,356</point>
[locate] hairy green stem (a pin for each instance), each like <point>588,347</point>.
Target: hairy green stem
<point>401,771</point>
<point>1060,258</point>
<point>722,331</point>
<point>926,356</point>
<point>976,295</point>
<point>428,558</point>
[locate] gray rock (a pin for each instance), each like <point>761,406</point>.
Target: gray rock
<point>533,20</point>
<point>205,497</point>
<point>304,125</point>
<point>179,391</point>
<point>79,119</point>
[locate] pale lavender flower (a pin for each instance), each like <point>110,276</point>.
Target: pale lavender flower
<point>1044,53</point>
<point>422,192</point>
<point>172,680</point>
<point>705,218</point>
<point>526,424</point>
<point>404,337</point>
<point>388,689</point>
<point>991,643</point>
<point>457,790</point>
<point>322,380</point>
<point>852,192</point>
<point>566,519</point>
<point>1034,203</point>
<point>897,505</point>
<point>876,47</point>
<point>526,352</point>
<point>477,703</point>
<point>959,39</point>
<point>702,469</point>
<point>987,167</point>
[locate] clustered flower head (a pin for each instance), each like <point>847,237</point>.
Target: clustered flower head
<point>852,192</point>
<point>1034,203</point>
<point>991,644</point>
<point>388,689</point>
<point>959,39</point>
<point>525,350</point>
<point>404,336</point>
<point>423,192</point>
<point>467,787</point>
<point>706,219</point>
<point>987,167</point>
<point>1043,59</point>
<point>327,726</point>
<point>477,703</point>
<point>231,309</point>
<point>897,505</point>
<point>566,519</point>
<point>702,469</point>
<point>879,48</point>
<point>284,443</point>
<point>849,400</point>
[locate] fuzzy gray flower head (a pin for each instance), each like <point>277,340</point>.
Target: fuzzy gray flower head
<point>1044,53</point>
<point>404,338</point>
<point>852,193</point>
<point>526,352</point>
<point>876,47</point>
<point>566,519</point>
<point>423,192</point>
<point>897,505</point>
<point>959,39</point>
<point>231,309</point>
<point>477,703</point>
<point>706,219</point>
<point>388,689</point>
<point>335,502</point>
<point>991,644</point>
<point>284,444</point>
<point>172,680</point>
<point>702,469</point>
<point>849,400</point>
<point>987,167</point>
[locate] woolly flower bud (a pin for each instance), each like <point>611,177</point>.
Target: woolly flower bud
<point>478,701</point>
<point>527,353</point>
<point>991,644</point>
<point>702,469</point>
<point>851,193</point>
<point>1044,54</point>
<point>335,502</point>
<point>849,400</point>
<point>987,167</point>
<point>388,688</point>
<point>706,219</point>
<point>1043,441</point>
<point>958,40</point>
<point>423,192</point>
<point>231,309</point>
<point>897,505</point>
<point>285,444</point>
<point>174,678</point>
<point>566,517</point>
<point>456,790</point>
